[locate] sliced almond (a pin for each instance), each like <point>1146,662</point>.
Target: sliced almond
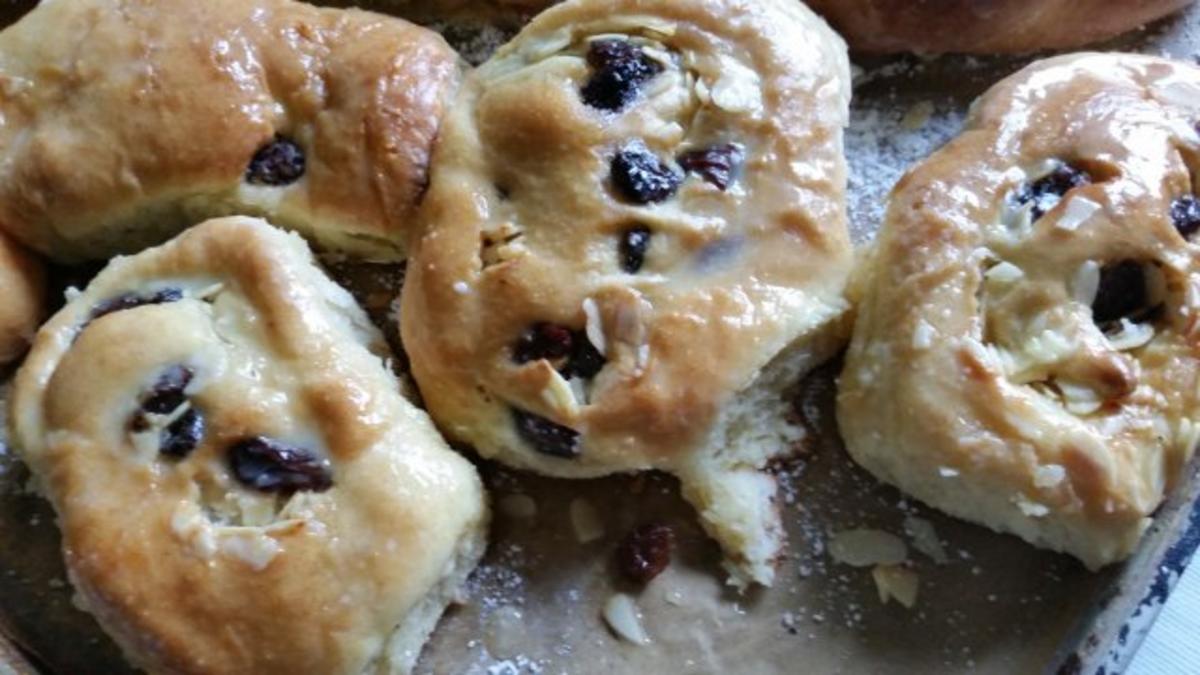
<point>865,548</point>
<point>896,583</point>
<point>925,539</point>
<point>585,521</point>
<point>622,616</point>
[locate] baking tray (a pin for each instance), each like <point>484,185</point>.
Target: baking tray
<point>992,605</point>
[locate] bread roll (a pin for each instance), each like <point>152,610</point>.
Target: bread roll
<point>986,26</point>
<point>240,485</point>
<point>634,241</point>
<point>127,121</point>
<point>1024,355</point>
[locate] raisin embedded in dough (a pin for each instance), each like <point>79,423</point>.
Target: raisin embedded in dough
<point>641,177</point>
<point>182,436</point>
<point>271,465</point>
<point>619,68</point>
<point>544,341</point>
<point>717,164</point>
<point>130,300</point>
<point>1122,293</point>
<point>1045,192</point>
<point>548,438</point>
<point>1185,216</point>
<point>632,248</point>
<point>279,162</point>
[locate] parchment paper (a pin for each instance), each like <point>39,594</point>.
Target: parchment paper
<point>995,605</point>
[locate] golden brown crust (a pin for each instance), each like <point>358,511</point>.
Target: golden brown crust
<point>523,224</point>
<point>191,569</point>
<point>1040,374</point>
<point>23,288</point>
<point>125,122</point>
<point>986,26</point>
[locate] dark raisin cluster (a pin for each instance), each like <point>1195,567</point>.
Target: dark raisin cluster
<point>1185,215</point>
<point>1123,293</point>
<point>270,465</point>
<point>164,397</point>
<point>1046,192</point>
<point>645,552</point>
<point>570,350</point>
<point>574,355</point>
<point>546,437</point>
<point>279,162</point>
<point>619,69</point>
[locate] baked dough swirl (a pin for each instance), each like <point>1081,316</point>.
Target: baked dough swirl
<point>240,485</point>
<point>122,122</point>
<point>1025,354</point>
<point>633,241</point>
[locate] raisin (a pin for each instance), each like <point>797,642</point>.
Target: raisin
<point>641,177</point>
<point>130,300</point>
<point>273,466</point>
<point>543,341</point>
<point>1045,192</point>
<point>716,165</point>
<point>183,435</point>
<point>645,552</point>
<point>585,359</point>
<point>279,162</point>
<point>619,69</point>
<point>1122,293</point>
<point>1185,215</point>
<point>632,248</point>
<point>167,393</point>
<point>548,438</point>
<point>554,342</point>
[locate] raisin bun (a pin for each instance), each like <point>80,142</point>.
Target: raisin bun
<point>22,285</point>
<point>240,485</point>
<point>986,26</point>
<point>126,121</point>
<point>633,242</point>
<point>1025,350</point>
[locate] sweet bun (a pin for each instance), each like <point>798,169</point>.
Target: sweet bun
<point>23,287</point>
<point>986,26</point>
<point>127,121</point>
<point>240,486</point>
<point>634,240</point>
<point>1025,355</point>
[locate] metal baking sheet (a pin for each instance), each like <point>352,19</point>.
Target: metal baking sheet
<point>993,605</point>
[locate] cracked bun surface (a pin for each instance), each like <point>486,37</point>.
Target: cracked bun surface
<point>140,118</point>
<point>634,241</point>
<point>1025,352</point>
<point>240,485</point>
